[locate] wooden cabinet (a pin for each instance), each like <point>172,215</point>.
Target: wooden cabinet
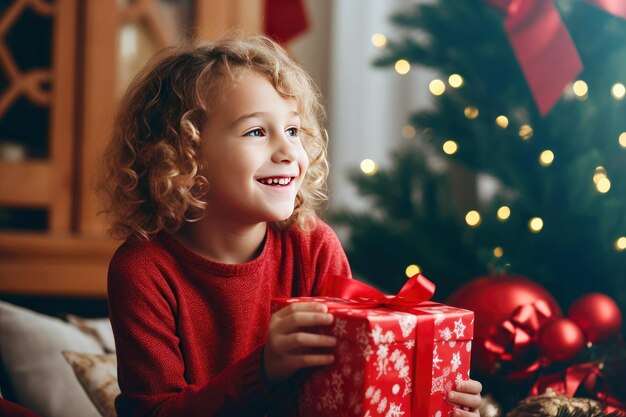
<point>63,66</point>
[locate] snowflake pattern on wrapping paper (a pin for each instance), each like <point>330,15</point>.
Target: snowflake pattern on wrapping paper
<point>340,328</point>
<point>456,361</point>
<point>382,360</point>
<point>439,382</point>
<point>355,402</point>
<point>382,406</point>
<point>436,359</point>
<point>363,339</point>
<point>394,411</point>
<point>409,344</point>
<point>407,324</point>
<point>459,329</point>
<point>458,379</point>
<point>358,378</point>
<point>380,337</point>
<point>445,333</point>
<point>439,318</point>
<point>332,398</point>
<point>400,364</point>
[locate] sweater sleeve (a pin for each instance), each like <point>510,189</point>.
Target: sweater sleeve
<point>151,368</point>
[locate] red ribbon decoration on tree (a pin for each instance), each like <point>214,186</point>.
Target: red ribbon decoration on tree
<point>284,19</point>
<point>514,339</point>
<point>543,46</point>
<point>586,380</point>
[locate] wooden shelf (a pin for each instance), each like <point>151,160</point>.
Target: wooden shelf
<point>37,264</point>
<point>86,74</point>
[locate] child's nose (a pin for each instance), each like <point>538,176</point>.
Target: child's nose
<point>285,149</point>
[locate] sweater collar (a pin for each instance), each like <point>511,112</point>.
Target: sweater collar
<point>186,256</point>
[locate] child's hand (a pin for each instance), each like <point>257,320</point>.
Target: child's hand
<point>288,346</point>
<point>466,398</point>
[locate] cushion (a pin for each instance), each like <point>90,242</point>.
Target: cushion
<point>98,376</point>
<point>30,353</point>
<point>99,328</point>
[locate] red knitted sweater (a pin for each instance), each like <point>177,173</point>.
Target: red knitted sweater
<point>189,331</point>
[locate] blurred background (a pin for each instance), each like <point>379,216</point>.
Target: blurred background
<point>468,139</point>
<point>64,65</point>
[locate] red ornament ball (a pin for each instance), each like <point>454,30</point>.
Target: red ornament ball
<point>493,299</point>
<point>560,340</point>
<point>598,316</point>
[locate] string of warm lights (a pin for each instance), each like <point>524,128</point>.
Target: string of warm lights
<point>437,87</point>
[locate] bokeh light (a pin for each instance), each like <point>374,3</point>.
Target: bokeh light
<point>368,167</point>
<point>402,66</point>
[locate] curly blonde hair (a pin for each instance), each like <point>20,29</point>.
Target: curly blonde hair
<point>149,175</point>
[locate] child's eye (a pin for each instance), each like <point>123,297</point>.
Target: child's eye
<point>293,131</point>
<point>255,132</point>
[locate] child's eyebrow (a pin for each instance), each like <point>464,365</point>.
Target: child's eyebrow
<point>260,114</point>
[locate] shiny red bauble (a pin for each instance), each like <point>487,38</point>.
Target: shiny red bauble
<point>560,340</point>
<point>597,315</point>
<point>493,299</point>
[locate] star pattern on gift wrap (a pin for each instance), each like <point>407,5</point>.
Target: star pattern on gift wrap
<point>439,318</point>
<point>459,328</point>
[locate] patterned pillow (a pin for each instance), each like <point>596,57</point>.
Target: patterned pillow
<point>98,376</point>
<point>99,328</point>
<point>36,374</point>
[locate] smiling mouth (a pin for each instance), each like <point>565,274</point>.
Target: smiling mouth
<point>278,182</point>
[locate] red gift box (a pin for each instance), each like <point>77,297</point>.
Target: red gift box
<point>395,356</point>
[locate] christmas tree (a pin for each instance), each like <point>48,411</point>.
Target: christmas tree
<point>556,212</point>
<point>557,185</point>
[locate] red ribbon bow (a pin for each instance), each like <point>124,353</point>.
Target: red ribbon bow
<point>513,341</point>
<point>543,46</point>
<point>416,290</point>
<point>585,380</point>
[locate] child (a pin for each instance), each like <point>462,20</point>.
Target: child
<point>215,170</point>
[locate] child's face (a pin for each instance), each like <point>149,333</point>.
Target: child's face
<point>252,154</point>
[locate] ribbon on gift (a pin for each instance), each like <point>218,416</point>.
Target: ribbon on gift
<point>585,380</point>
<point>417,290</point>
<point>514,339</point>
<point>543,46</point>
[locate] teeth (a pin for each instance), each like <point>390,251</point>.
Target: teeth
<point>270,181</point>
